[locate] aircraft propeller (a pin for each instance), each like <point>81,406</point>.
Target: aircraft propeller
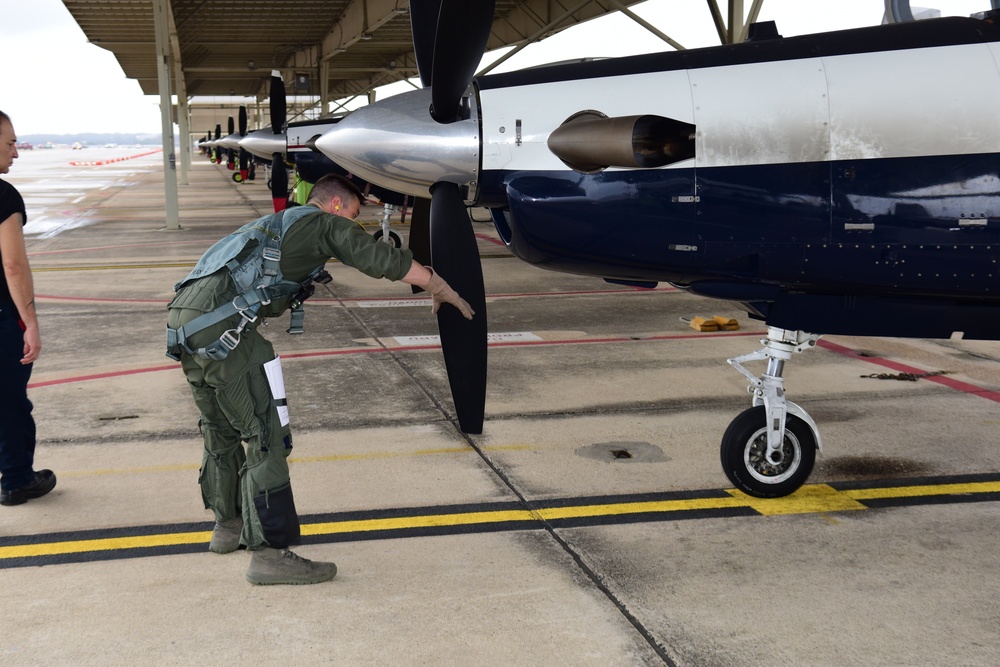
<point>449,39</point>
<point>230,153</point>
<point>244,155</point>
<point>217,149</point>
<point>279,173</point>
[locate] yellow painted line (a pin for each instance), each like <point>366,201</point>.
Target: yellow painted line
<point>371,525</point>
<point>926,490</point>
<point>112,267</point>
<point>499,516</point>
<point>553,513</point>
<point>183,467</point>
<point>106,544</point>
<point>808,499</point>
<point>465,449</point>
<point>129,471</point>
<point>429,521</point>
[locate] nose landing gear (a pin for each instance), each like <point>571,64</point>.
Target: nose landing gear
<point>769,450</point>
<point>386,234</point>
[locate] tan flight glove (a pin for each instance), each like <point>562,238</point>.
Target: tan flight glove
<point>441,292</point>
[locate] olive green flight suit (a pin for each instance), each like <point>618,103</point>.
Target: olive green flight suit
<point>233,394</point>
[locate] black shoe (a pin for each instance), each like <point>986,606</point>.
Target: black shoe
<point>45,481</point>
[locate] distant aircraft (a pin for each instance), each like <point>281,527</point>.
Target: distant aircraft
<point>837,183</point>
<point>269,143</point>
<point>294,144</point>
<point>236,154</point>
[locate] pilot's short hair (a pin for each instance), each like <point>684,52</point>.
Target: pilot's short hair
<point>5,117</point>
<point>334,185</point>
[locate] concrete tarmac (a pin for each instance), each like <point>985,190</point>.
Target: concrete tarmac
<point>590,524</point>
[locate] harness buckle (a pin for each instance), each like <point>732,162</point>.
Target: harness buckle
<point>271,256</point>
<point>230,339</point>
<point>243,311</point>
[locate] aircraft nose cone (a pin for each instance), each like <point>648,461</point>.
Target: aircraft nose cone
<point>263,143</point>
<point>231,141</point>
<point>395,144</point>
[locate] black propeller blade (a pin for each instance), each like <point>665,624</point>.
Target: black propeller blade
<point>277,103</point>
<point>279,173</point>
<point>423,27</point>
<point>420,233</point>
<point>279,182</point>
<point>463,342</point>
<point>217,158</point>
<point>230,153</point>
<point>449,38</point>
<point>244,155</point>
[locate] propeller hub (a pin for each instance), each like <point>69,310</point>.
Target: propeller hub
<point>231,141</point>
<point>396,144</point>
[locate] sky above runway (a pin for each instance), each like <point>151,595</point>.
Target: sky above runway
<point>54,81</point>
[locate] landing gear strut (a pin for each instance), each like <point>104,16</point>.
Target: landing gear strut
<point>386,234</point>
<point>769,450</point>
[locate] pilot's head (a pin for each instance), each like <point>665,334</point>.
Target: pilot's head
<point>337,195</point>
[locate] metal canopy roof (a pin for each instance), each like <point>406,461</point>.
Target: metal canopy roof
<point>229,47</point>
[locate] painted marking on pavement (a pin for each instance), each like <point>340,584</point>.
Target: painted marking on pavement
<point>945,380</point>
<point>410,348</point>
<point>491,338</point>
<point>143,541</point>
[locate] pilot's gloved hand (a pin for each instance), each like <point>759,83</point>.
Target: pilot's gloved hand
<point>441,292</point>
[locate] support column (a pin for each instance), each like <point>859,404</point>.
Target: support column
<point>735,21</point>
<point>183,127</point>
<point>324,87</point>
<point>161,22</point>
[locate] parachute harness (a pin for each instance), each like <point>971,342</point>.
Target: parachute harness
<point>263,261</point>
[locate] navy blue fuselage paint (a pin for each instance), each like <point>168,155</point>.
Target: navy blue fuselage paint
<point>925,227</point>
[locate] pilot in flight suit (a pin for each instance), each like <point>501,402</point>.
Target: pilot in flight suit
<point>259,271</point>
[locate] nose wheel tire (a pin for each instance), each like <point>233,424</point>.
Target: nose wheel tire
<point>395,240</point>
<point>744,455</point>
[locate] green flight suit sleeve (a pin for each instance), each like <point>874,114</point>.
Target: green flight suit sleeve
<point>314,239</point>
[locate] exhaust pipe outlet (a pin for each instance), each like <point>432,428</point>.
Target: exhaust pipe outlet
<point>590,141</point>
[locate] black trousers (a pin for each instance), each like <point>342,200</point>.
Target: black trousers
<point>17,427</point>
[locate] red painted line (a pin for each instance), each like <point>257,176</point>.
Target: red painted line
<point>950,382</point>
<point>115,159</point>
<point>319,299</point>
<point>491,240</point>
<point>407,348</point>
<point>97,299</point>
<point>114,247</point>
<point>100,376</point>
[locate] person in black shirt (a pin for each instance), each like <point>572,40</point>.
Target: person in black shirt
<point>20,343</point>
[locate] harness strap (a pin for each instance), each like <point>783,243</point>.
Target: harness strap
<point>271,286</point>
<point>296,321</point>
<point>220,348</point>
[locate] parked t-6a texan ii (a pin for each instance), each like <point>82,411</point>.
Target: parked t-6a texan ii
<point>837,183</point>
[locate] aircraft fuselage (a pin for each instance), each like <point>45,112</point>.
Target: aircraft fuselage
<point>826,176</point>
